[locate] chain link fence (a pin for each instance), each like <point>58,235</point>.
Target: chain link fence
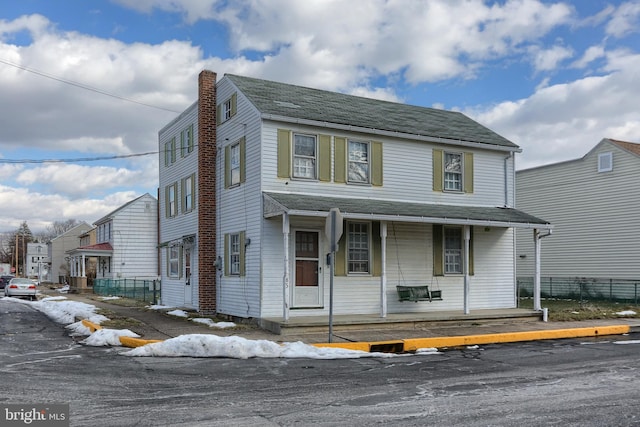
<point>139,289</point>
<point>582,288</point>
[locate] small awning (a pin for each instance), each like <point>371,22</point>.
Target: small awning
<point>100,249</point>
<point>276,204</point>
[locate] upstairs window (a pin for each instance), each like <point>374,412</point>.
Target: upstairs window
<point>304,156</point>
<point>170,152</point>
<point>235,163</point>
<point>605,162</point>
<point>358,169</point>
<point>227,109</point>
<point>452,172</point>
<point>188,193</point>
<point>186,141</point>
<point>171,205</point>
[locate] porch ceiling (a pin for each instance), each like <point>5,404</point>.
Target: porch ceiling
<point>276,204</point>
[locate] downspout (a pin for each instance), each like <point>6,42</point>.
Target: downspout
<point>506,179</point>
<point>383,278</point>
<point>536,275</point>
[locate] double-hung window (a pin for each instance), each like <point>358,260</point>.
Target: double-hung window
<point>171,201</point>
<point>358,168</point>
<point>226,110</point>
<point>234,152</point>
<point>170,152</point>
<point>234,254</point>
<point>453,171</point>
<point>358,247</point>
<point>453,250</point>
<point>188,193</point>
<point>186,141</point>
<point>304,156</point>
<point>174,261</point>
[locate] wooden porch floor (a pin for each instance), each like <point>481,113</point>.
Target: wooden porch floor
<point>313,324</point>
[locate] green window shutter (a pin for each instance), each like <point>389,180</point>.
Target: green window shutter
<point>243,159</point>
<point>324,158</point>
<point>168,261</point>
<point>340,167</point>
<point>376,247</point>
<point>468,173</point>
<point>242,253</point>
<point>438,250</point>
<point>183,143</point>
<point>284,153</point>
<point>438,176</point>
<point>219,114</point>
<point>226,255</point>
<point>340,261</point>
<point>190,141</point>
<point>376,163</point>
<point>471,269</point>
<point>234,104</point>
<point>227,166</point>
<point>183,191</point>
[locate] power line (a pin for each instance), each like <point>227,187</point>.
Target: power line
<point>76,160</point>
<point>82,86</point>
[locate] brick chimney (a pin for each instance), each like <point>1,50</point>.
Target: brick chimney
<point>206,194</point>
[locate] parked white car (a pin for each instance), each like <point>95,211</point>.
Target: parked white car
<point>20,287</point>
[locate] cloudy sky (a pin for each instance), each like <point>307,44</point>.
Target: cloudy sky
<point>90,83</point>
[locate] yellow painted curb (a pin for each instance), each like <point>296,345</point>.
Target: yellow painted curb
<point>440,342</point>
<point>92,326</point>
<point>135,342</point>
<point>413,344</point>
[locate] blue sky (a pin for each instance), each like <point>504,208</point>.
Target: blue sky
<point>554,77</point>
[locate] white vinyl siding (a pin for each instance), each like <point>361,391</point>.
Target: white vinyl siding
<point>594,215</point>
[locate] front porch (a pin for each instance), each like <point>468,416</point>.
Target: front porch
<point>416,322</point>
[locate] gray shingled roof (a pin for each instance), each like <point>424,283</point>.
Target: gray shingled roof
<point>298,102</point>
<point>364,208</point>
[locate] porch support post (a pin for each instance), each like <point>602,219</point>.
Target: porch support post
<point>383,276</point>
<point>536,274</point>
<point>467,239</point>
<point>84,266</point>
<point>286,276</point>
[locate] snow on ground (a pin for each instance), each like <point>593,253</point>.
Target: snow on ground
<point>626,313</point>
<point>67,312</point>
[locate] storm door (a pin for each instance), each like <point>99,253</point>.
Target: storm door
<point>307,291</point>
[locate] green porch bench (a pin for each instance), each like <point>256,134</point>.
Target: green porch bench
<point>417,293</point>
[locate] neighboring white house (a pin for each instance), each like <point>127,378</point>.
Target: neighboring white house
<point>37,261</point>
<point>57,252</point>
<point>594,205</point>
<point>125,244</point>
<point>426,198</point>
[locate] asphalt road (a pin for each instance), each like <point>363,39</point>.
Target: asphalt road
<point>585,382</point>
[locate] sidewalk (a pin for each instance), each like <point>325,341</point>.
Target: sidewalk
<point>157,325</point>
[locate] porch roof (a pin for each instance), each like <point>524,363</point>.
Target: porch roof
<point>275,204</point>
<point>99,249</point>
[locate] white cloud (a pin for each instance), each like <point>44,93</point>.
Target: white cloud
<point>625,19</point>
<point>549,59</point>
<point>591,54</point>
<point>564,121</point>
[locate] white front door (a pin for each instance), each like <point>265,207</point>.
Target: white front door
<point>188,293</point>
<point>307,289</point>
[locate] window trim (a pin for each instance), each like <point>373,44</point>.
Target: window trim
<point>459,256</point>
<point>170,152</point>
<point>188,187</point>
<point>171,203</point>
<point>460,181</point>
<point>294,156</point>
<point>349,250</point>
<point>186,141</point>
<point>608,157</point>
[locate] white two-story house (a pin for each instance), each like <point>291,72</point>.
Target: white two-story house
<point>125,245</point>
<point>249,173</point>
